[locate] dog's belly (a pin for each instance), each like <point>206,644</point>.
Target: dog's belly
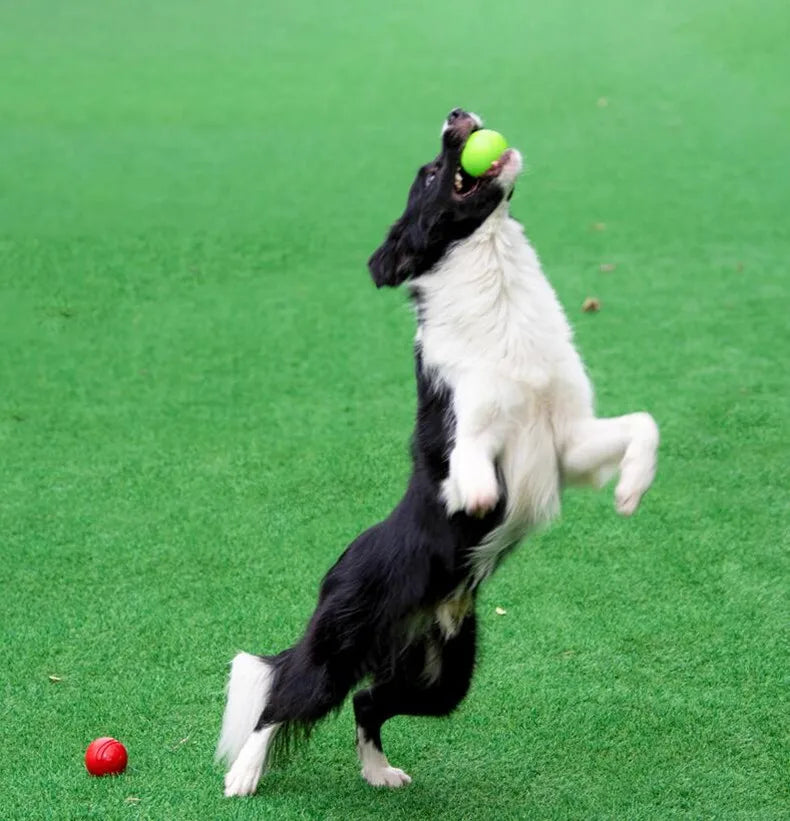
<point>529,469</point>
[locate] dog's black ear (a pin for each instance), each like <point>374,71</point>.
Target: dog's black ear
<point>387,265</point>
<point>394,261</point>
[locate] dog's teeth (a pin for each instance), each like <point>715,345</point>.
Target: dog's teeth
<point>459,181</point>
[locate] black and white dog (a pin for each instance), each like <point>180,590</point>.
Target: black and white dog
<point>504,419</point>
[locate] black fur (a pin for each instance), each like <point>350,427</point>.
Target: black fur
<point>435,215</point>
<point>376,613</point>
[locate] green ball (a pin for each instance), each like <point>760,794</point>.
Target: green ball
<point>483,148</point>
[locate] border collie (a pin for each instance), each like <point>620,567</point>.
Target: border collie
<point>505,418</point>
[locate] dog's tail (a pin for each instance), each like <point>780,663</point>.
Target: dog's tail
<point>289,692</point>
<point>249,687</point>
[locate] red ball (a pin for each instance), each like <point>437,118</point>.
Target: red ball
<point>105,756</point>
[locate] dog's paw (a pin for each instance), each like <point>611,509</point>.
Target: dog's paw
<point>636,476</point>
<point>392,777</point>
<point>474,499</point>
<point>472,485</point>
<point>638,468</point>
<point>481,500</point>
<point>627,499</point>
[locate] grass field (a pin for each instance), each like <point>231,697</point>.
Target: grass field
<point>203,398</point>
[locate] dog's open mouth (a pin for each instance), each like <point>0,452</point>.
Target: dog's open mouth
<point>465,184</point>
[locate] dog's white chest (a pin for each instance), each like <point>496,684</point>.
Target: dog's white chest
<point>488,309</point>
<point>493,332</point>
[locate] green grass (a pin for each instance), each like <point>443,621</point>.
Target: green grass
<point>203,398</point>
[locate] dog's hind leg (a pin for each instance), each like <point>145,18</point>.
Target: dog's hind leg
<point>432,679</point>
<point>595,449</point>
<point>280,698</point>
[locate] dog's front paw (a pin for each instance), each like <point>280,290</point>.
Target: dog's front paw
<point>471,486</point>
<point>481,499</point>
<point>638,468</point>
<point>627,499</point>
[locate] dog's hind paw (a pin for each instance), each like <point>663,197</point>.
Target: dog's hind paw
<point>385,776</point>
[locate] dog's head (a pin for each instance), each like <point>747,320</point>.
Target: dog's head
<point>445,205</point>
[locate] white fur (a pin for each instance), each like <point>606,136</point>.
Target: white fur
<point>376,770</point>
<point>478,121</point>
<point>243,777</point>
<point>493,331</point>
<point>248,690</point>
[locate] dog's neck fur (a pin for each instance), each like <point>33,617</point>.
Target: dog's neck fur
<point>488,305</point>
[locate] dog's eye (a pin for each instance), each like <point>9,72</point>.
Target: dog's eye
<point>429,178</point>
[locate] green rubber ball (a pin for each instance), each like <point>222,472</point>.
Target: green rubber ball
<point>483,148</point>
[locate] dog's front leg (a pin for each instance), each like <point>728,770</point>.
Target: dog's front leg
<point>472,484</point>
<point>595,449</point>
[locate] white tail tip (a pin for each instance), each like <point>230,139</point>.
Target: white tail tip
<point>248,691</point>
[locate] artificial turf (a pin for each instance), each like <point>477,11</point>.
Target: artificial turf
<point>203,398</point>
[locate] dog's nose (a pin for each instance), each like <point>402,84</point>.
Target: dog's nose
<point>459,125</point>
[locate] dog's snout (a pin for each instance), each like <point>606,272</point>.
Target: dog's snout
<point>459,125</point>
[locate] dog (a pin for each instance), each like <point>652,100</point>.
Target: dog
<point>504,420</point>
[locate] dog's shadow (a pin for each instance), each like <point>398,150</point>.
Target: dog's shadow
<point>323,778</point>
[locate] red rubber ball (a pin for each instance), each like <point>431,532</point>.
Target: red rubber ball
<point>105,756</point>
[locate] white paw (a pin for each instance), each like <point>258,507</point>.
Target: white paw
<point>473,500</point>
<point>481,500</point>
<point>636,476</point>
<point>471,486</point>
<point>626,500</point>
<point>638,468</point>
<point>242,780</point>
<point>385,776</point>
